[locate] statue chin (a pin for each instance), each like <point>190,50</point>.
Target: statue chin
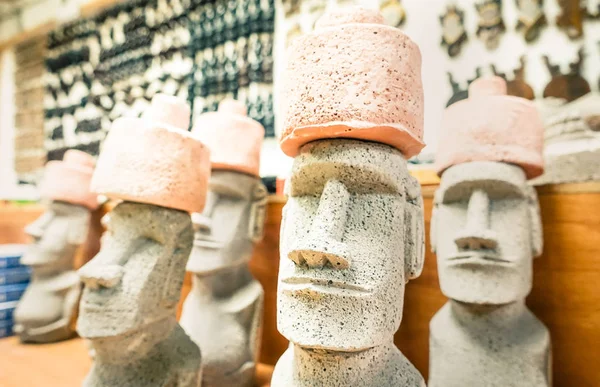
<point>208,261</point>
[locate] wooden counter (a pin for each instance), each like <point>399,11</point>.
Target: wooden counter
<point>63,364</point>
<point>565,296</point>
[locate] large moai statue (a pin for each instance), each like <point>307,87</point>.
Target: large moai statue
<point>572,141</point>
<point>46,312</point>
<point>223,311</point>
<point>352,228</point>
<point>486,230</point>
<point>132,287</point>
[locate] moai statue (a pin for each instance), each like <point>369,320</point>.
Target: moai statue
<point>572,141</point>
<point>486,230</point>
<point>223,311</point>
<point>352,229</point>
<point>132,287</point>
<point>46,312</point>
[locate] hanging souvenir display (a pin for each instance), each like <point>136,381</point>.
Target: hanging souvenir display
<point>291,7</point>
<point>453,30</point>
<point>490,25</point>
<point>531,18</point>
<point>517,86</point>
<point>393,12</point>
<point>458,93</point>
<point>568,86</point>
<point>71,119</point>
<point>571,17</point>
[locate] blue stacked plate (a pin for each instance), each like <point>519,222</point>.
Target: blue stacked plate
<point>14,279</point>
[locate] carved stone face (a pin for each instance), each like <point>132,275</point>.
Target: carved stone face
<point>136,277</point>
<point>486,229</point>
<point>56,234</point>
<point>351,237</point>
<point>232,221</point>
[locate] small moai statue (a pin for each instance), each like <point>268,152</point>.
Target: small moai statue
<point>352,229</point>
<point>159,172</point>
<point>46,312</point>
<point>486,230</point>
<point>223,311</point>
<point>571,140</point>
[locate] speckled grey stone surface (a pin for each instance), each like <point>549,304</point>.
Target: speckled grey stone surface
<point>129,303</point>
<point>351,238</point>
<point>46,311</point>
<point>572,142</point>
<point>223,311</point>
<point>486,230</point>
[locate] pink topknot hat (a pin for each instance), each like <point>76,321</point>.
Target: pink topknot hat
<point>154,159</point>
<point>492,126</point>
<point>353,77</point>
<point>69,180</point>
<point>234,139</point>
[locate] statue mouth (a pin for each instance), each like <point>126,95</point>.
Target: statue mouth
<point>208,244</point>
<point>478,258</point>
<point>318,285</point>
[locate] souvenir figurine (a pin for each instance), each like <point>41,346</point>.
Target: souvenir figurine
<point>486,230</point>
<point>393,12</point>
<point>453,30</point>
<point>568,86</point>
<point>352,228</point>
<point>517,87</point>
<point>459,94</point>
<point>159,172</point>
<point>223,311</point>
<point>46,312</point>
<point>571,17</point>
<point>490,26</point>
<point>531,18</point>
<point>572,141</point>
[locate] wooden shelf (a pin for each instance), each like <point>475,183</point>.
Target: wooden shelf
<point>63,364</point>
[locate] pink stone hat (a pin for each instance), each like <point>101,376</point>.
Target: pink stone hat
<point>353,77</point>
<point>234,139</point>
<point>492,126</point>
<point>154,159</point>
<point>69,180</point>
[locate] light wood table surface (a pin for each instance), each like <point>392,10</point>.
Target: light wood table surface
<point>63,364</point>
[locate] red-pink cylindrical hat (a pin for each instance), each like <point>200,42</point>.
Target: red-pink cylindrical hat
<point>234,139</point>
<point>154,159</point>
<point>353,77</point>
<point>492,126</point>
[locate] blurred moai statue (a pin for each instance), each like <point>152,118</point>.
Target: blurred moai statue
<point>569,86</point>
<point>46,312</point>
<point>572,141</point>
<point>223,311</point>
<point>352,229</point>
<point>132,287</point>
<point>486,230</point>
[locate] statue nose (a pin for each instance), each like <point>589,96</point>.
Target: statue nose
<point>477,234</point>
<point>97,276</point>
<point>323,245</point>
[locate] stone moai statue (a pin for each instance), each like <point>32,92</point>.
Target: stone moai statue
<point>486,230</point>
<point>572,141</point>
<point>46,312</point>
<point>132,287</point>
<point>223,311</point>
<point>352,228</point>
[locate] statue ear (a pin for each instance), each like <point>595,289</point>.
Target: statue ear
<point>414,237</point>
<point>78,228</point>
<point>182,248</point>
<point>537,237</point>
<point>433,226</point>
<point>258,211</point>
